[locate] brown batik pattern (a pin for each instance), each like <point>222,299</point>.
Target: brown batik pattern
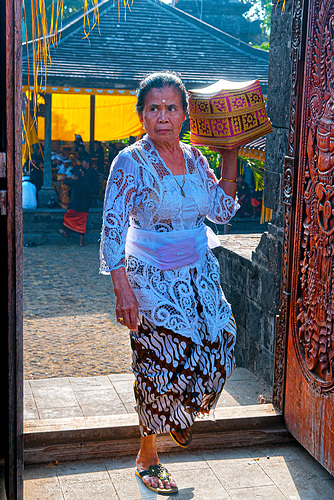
<point>176,379</point>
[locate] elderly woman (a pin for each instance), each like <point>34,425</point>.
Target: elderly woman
<point>166,279</point>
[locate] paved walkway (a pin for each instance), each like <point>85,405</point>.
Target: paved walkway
<point>274,473</point>
<point>70,328</point>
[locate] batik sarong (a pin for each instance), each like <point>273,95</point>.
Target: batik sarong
<point>177,379</point>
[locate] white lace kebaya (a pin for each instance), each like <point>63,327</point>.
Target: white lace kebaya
<point>144,194</point>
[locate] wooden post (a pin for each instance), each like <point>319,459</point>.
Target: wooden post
<point>47,190</point>
<point>11,255</point>
<point>92,125</point>
<point>47,143</point>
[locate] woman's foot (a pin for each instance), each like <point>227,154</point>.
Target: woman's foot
<point>182,437</point>
<point>147,456</point>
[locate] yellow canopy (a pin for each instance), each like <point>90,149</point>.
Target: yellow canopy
<point>115,117</point>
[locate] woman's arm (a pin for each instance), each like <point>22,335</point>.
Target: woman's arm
<point>119,201</point>
<point>126,301</point>
<point>222,193</point>
<point>228,181</point>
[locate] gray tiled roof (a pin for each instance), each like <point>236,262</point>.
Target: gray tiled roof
<point>154,37</point>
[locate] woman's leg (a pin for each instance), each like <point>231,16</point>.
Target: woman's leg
<point>82,240</point>
<point>147,456</point>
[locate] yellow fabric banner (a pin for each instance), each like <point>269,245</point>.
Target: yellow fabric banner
<point>115,118</point>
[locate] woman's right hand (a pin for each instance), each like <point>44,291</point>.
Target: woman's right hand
<point>126,301</point>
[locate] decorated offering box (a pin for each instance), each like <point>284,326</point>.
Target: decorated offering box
<point>227,114</point>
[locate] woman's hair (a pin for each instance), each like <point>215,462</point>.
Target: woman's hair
<point>158,81</point>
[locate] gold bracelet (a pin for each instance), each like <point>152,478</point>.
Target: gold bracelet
<point>228,180</point>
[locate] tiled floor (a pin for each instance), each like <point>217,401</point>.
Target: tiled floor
<point>113,394</point>
<point>276,472</point>
<point>270,473</point>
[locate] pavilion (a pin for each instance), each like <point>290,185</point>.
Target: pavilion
<point>91,82</point>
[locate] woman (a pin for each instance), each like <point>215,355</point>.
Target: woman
<point>76,216</point>
<point>166,279</point>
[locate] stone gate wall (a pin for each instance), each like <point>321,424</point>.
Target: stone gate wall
<point>252,284</point>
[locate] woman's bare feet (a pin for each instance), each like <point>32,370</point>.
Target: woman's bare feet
<point>147,456</point>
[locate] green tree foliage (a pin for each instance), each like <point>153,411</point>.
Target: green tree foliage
<point>261,9</point>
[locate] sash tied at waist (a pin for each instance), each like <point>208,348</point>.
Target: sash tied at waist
<point>167,250</point>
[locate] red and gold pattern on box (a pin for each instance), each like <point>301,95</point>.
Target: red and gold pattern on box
<point>229,118</point>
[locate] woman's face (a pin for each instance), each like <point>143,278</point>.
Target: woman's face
<point>163,114</point>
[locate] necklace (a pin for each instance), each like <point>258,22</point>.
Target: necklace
<point>181,187</point>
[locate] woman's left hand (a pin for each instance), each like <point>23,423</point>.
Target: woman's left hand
<point>228,155</point>
<point>229,169</point>
<point>126,302</point>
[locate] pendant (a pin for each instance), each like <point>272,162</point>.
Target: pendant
<point>182,192</point>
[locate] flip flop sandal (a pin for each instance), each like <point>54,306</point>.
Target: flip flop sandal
<point>157,471</point>
<point>184,444</point>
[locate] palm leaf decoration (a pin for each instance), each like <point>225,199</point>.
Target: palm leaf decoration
<point>43,21</point>
<point>42,24</point>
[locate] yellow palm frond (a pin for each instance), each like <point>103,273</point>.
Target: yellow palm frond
<point>283,5</point>
<point>44,33</point>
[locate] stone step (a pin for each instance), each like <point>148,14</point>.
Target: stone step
<point>111,436</point>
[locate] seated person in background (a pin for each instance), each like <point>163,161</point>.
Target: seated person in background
<point>256,203</point>
<point>113,152</point>
<point>64,166</point>
<point>99,154</point>
<point>33,168</point>
<point>68,167</point>
<point>82,151</point>
<point>244,196</point>
<point>29,193</point>
<point>77,140</point>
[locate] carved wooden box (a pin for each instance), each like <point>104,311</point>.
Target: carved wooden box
<point>227,114</point>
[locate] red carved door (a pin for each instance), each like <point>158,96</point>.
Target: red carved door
<point>309,229</point>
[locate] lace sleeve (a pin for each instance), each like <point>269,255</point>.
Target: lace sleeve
<point>118,204</point>
<point>222,206</point>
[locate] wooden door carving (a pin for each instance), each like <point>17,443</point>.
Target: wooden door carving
<point>305,330</point>
<point>314,314</point>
